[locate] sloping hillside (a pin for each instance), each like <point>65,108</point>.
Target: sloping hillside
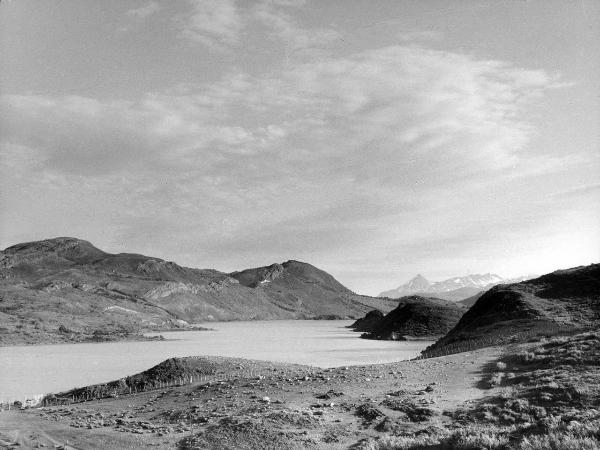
<point>416,317</point>
<point>470,301</point>
<point>417,284</point>
<point>456,295</point>
<point>369,322</point>
<point>565,298</point>
<point>306,290</point>
<point>65,289</point>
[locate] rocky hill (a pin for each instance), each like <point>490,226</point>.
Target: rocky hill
<point>306,290</point>
<point>369,322</point>
<point>65,289</point>
<point>414,317</point>
<point>562,299</point>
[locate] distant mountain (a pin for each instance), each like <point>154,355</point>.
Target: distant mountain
<point>457,295</point>
<point>453,289</point>
<point>414,317</point>
<point>416,284</point>
<point>565,298</point>
<point>65,289</point>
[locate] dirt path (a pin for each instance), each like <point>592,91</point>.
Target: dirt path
<point>24,430</point>
<point>30,433</point>
<point>293,406</point>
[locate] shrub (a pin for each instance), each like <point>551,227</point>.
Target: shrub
<point>407,442</point>
<point>495,379</point>
<point>558,441</point>
<point>478,438</point>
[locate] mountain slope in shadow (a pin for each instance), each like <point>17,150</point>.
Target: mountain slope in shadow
<point>415,317</point>
<point>566,298</point>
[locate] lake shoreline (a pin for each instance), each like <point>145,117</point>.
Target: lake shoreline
<point>287,405</point>
<point>52,338</point>
<point>462,400</point>
<point>312,343</point>
<point>127,338</point>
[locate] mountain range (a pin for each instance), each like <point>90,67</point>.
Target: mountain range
<point>453,289</point>
<point>65,289</point>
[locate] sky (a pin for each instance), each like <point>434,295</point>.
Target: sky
<point>373,139</point>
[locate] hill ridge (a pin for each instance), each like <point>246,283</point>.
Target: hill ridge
<point>68,284</point>
<point>563,298</point>
<point>414,317</point>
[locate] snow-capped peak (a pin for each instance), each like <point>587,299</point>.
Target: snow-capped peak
<point>420,284</point>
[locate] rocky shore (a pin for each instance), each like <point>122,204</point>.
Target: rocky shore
<point>535,395</point>
<point>247,403</point>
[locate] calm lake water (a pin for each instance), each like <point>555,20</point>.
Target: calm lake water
<point>41,369</point>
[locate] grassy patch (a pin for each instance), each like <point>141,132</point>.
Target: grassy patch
<point>550,399</point>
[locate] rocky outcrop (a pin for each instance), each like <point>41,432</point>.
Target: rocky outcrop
<point>417,317</point>
<point>173,288</point>
<point>369,322</point>
<point>65,249</point>
<point>258,276</point>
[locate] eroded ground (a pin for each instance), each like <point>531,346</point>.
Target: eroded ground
<point>279,406</point>
<point>529,396</point>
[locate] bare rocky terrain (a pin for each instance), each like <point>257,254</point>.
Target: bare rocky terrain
<point>254,404</point>
<point>538,395</point>
<point>67,290</point>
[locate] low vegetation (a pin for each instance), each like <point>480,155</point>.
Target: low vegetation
<point>504,336</point>
<point>546,395</point>
<point>561,301</point>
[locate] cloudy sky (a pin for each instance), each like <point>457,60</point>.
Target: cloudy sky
<point>374,139</point>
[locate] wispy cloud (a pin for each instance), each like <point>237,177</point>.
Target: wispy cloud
<point>427,35</point>
<point>580,191</point>
<point>214,23</point>
<point>410,106</point>
<point>285,29</point>
<point>144,11</point>
<point>330,152</point>
<point>219,24</point>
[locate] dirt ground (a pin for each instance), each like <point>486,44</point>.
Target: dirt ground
<point>278,406</point>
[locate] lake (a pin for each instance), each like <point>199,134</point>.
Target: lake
<point>41,369</point>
